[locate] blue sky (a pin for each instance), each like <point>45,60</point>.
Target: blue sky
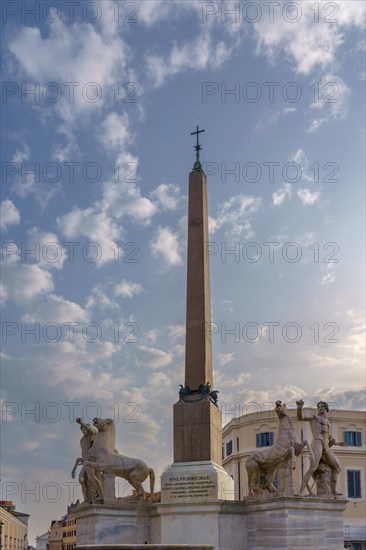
<point>280,95</point>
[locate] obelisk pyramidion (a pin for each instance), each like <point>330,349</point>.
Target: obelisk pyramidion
<point>197,472</point>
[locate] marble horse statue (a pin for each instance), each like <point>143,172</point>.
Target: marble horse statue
<point>103,457</point>
<point>262,465</point>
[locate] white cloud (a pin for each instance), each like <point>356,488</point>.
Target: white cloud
<point>193,56</point>
<point>332,95</point>
<point>21,156</point>
<point>9,214</point>
<point>52,254</point>
<point>167,195</point>
<point>234,215</point>
<point>309,45</point>
<point>165,245</point>
<point>74,53</point>
<point>98,299</point>
<point>278,197</point>
<point>328,278</point>
<point>307,197</point>
<point>23,283</point>
<point>114,132</point>
<point>97,226</point>
<point>315,124</point>
<point>56,310</point>
<point>225,358</point>
<point>177,331</point>
<point>127,289</point>
<point>152,357</point>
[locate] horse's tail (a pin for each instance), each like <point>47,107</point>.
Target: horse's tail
<point>152,484</point>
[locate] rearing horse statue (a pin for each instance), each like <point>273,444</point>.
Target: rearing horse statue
<point>103,457</point>
<point>281,456</point>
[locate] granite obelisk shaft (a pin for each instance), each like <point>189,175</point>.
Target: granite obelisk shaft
<point>198,363</point>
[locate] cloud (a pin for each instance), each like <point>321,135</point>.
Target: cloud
<point>225,358</point>
<point>9,214</point>
<point>52,254</point>
<point>152,358</point>
<point>24,283</point>
<point>167,196</point>
<point>307,44</point>
<point>315,124</point>
<point>74,53</point>
<point>234,215</point>
<point>328,278</point>
<point>98,299</point>
<point>307,197</point>
<point>56,310</point>
<point>278,197</point>
<point>332,94</point>
<point>115,132</point>
<point>127,289</point>
<point>196,55</point>
<point>97,226</point>
<point>177,331</point>
<point>165,246</point>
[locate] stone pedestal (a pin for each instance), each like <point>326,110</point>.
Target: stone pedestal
<point>295,523</point>
<point>203,481</point>
<point>221,524</point>
<point>112,524</point>
<point>197,431</point>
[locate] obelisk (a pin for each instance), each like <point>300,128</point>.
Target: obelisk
<point>197,473</point>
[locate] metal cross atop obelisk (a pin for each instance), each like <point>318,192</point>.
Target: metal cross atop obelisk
<point>197,167</point>
<point>197,420</point>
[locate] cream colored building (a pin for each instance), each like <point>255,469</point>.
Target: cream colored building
<point>55,537</point>
<point>69,531</point>
<point>247,433</point>
<point>14,527</point>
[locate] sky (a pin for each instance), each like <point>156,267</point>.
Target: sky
<point>99,100</point>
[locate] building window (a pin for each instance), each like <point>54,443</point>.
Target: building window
<point>356,546</point>
<point>354,483</point>
<point>353,439</point>
<point>229,448</point>
<point>264,439</point>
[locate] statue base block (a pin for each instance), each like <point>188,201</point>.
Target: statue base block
<point>112,524</point>
<point>295,523</point>
<point>201,481</point>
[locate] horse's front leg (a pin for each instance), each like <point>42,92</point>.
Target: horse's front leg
<point>100,466</point>
<point>293,458</point>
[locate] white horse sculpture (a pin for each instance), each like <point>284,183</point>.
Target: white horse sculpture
<point>281,456</point>
<point>103,457</point>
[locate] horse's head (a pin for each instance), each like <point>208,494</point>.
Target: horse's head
<point>280,409</point>
<point>103,424</point>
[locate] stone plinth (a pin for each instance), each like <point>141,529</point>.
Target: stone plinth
<point>112,524</point>
<point>277,523</point>
<point>145,547</point>
<point>295,523</point>
<point>197,431</point>
<point>196,482</point>
<point>221,524</point>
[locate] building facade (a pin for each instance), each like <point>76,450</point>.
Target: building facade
<point>55,538</point>
<point>13,527</point>
<point>245,434</point>
<point>69,530</point>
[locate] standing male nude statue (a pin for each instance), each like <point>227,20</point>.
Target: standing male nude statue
<point>321,443</point>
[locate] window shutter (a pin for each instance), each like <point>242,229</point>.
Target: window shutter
<point>357,484</point>
<point>270,438</point>
<point>358,441</point>
<point>350,484</point>
<point>258,440</point>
